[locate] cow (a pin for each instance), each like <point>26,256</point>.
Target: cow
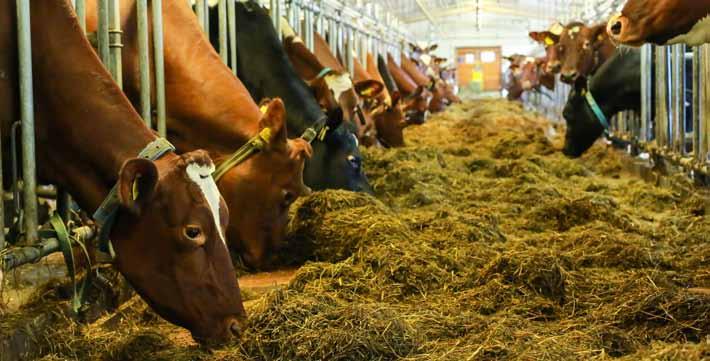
<point>168,232</point>
<point>615,87</point>
<point>583,50</point>
<point>266,72</point>
<point>661,22</point>
<point>438,100</point>
<point>550,39</point>
<point>388,115</point>
<point>209,108</point>
<point>416,97</point>
<point>534,75</point>
<point>513,77</point>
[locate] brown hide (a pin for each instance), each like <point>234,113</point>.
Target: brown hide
<point>416,99</point>
<point>389,119</point>
<point>657,21</point>
<point>168,243</point>
<point>374,73</point>
<point>583,50</point>
<point>352,98</point>
<point>437,103</point>
<point>550,42</point>
<point>208,107</point>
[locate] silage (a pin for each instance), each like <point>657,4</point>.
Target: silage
<point>481,242</point>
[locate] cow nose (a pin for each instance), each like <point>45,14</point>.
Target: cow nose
<point>554,67</point>
<point>235,330</point>
<point>616,26</point>
<point>569,77</point>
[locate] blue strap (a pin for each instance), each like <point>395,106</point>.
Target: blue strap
<point>105,215</point>
<point>596,109</point>
<point>324,72</point>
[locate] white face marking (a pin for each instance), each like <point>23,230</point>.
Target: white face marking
<point>202,176</point>
<point>698,35</point>
<point>426,59</point>
<point>338,84</point>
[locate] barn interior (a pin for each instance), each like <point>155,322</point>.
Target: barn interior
<point>533,183</point>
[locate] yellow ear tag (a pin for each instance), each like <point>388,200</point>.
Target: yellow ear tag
<point>549,41</point>
<point>135,192</point>
<point>264,108</point>
<point>557,29</point>
<point>368,91</point>
<point>265,134</point>
<point>600,37</point>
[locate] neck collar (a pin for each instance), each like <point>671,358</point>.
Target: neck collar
<point>594,106</point>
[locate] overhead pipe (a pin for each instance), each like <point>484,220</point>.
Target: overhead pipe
<point>159,65</point>
<point>29,172</point>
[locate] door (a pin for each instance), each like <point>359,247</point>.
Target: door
<point>479,68</point>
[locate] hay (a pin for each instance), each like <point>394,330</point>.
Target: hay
<point>482,243</point>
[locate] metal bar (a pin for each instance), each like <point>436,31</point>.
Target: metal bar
<point>115,45</point>
<point>646,91</point>
<point>697,68</point>
<point>661,97</point>
<point>232,17</point>
<point>276,16</point>
<point>677,78</point>
<point>704,104</point>
<point>333,32</point>
<point>29,173</point>
<point>200,11</point>
<point>223,50</point>
<point>23,255</point>
<point>144,60</point>
<point>349,48</point>
<point>102,35</point>
<point>80,8</point>
<point>159,65</point>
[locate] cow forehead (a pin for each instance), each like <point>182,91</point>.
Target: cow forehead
<point>338,84</point>
<point>201,175</point>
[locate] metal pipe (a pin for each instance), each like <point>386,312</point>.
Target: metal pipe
<point>333,32</point>
<point>80,7</point>
<point>29,173</point>
<point>697,68</point>
<point>23,255</point>
<point>349,51</point>
<point>159,65</point>
<point>276,16</point>
<point>661,97</point>
<point>115,45</point>
<point>200,11</point>
<point>677,78</point>
<point>646,91</point>
<point>144,60</point>
<point>704,104</point>
<point>102,36</point>
<point>232,16</point>
<point>223,50</point>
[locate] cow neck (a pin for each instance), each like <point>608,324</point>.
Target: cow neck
<point>411,69</point>
<point>267,71</point>
<point>604,53</point>
<point>325,56</point>
<point>404,82</point>
<point>305,62</point>
<point>616,87</point>
<point>204,95</point>
<point>85,133</point>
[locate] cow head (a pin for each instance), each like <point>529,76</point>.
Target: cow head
<point>661,22</point>
<point>583,128</point>
<point>389,120</point>
<point>262,189</point>
<point>170,245</point>
<point>579,48</point>
<point>513,82</point>
<point>416,105</point>
<point>550,41</point>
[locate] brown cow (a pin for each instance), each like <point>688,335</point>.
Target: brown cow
<point>438,102</point>
<point>209,108</point>
<point>534,75</point>
<point>662,22</point>
<point>550,39</point>
<point>416,98</point>
<point>583,50</point>
<point>513,80</point>
<point>389,118</point>
<point>168,232</point>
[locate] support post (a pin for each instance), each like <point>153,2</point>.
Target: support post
<point>115,45</point>
<point>144,60</point>
<point>29,173</point>
<point>80,8</point>
<point>232,16</point>
<point>223,50</point>
<point>159,65</point>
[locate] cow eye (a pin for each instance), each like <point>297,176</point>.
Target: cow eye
<point>354,161</point>
<point>192,232</point>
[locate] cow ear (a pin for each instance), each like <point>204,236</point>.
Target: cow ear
<point>396,98</point>
<point>137,184</point>
<point>535,36</point>
<point>598,35</point>
<point>433,47</point>
<point>369,88</point>
<point>274,118</point>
